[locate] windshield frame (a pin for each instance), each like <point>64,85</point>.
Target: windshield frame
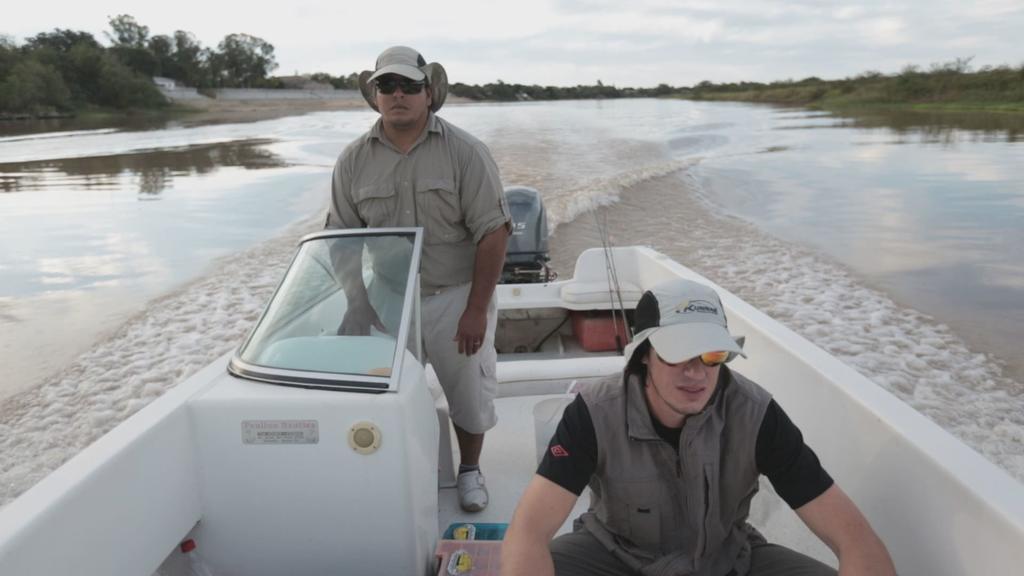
<point>336,381</point>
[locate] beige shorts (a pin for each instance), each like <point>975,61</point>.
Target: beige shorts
<point>469,382</point>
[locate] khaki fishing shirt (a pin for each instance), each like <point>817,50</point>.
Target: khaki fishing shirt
<point>448,183</point>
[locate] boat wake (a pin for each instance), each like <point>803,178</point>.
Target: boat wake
<point>175,336</point>
<point>567,205</point>
<point>917,358</point>
<point>913,356</point>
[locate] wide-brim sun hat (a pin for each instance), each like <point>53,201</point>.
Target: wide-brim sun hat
<point>409,63</point>
<point>683,319</point>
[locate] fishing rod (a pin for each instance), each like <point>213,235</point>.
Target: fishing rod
<point>614,288</point>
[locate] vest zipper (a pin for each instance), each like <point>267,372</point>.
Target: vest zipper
<point>707,511</point>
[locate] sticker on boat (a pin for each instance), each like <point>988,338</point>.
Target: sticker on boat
<point>280,432</point>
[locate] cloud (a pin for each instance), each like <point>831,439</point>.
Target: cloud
<point>639,43</point>
<point>640,25</point>
<point>886,31</point>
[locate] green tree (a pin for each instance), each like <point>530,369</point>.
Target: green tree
<point>162,49</point>
<point>32,86</point>
<point>70,53</point>
<point>120,87</point>
<point>214,75</point>
<point>130,41</point>
<point>126,32</point>
<point>60,40</point>
<point>500,91</point>
<point>188,59</point>
<point>246,60</point>
<point>9,55</point>
<point>84,65</point>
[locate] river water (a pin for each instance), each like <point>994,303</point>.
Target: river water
<point>129,258</point>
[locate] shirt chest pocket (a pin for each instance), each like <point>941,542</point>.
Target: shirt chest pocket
<point>440,211</point>
<point>377,205</point>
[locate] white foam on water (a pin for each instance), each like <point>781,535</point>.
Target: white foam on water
<point>917,358</point>
<point>109,142</point>
<point>172,338</point>
<point>52,135</point>
<point>175,336</point>
<point>914,356</point>
<point>567,205</point>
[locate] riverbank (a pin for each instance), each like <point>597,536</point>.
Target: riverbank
<point>840,104</point>
<point>213,111</point>
<point>194,113</point>
<point>948,87</point>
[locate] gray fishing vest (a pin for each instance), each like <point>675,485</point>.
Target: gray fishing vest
<point>682,511</point>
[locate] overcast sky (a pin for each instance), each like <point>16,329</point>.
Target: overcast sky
<point>567,42</point>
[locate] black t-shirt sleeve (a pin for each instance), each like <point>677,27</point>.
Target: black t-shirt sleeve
<point>571,457</point>
<point>791,466</point>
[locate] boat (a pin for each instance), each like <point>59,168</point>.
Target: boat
<point>306,452</point>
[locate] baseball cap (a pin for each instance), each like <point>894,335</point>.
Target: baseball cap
<point>409,63</point>
<point>682,319</point>
<point>400,60</point>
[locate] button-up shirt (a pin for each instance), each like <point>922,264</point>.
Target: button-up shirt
<point>448,183</point>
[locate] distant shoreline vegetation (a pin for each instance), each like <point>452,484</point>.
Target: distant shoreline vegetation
<point>945,86</point>
<point>65,72</point>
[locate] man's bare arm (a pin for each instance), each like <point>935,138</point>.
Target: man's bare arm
<point>348,266</point>
<point>835,519</point>
<point>490,257</point>
<point>541,511</point>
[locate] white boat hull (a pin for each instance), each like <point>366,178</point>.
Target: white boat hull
<point>122,505</point>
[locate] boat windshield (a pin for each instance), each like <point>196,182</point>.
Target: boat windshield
<point>335,320</point>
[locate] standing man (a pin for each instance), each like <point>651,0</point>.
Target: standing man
<point>415,169</point>
<point>672,450</point>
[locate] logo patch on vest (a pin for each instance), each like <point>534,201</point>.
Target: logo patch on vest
<point>558,452</point>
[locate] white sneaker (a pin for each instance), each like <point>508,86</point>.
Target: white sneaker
<point>472,491</point>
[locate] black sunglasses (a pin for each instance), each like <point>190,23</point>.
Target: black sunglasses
<point>389,85</point>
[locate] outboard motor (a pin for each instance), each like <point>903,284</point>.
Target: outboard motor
<point>526,258</point>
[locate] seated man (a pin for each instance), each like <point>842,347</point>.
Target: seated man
<point>672,450</point>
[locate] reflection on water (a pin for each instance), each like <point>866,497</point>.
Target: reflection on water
<point>927,206</point>
<point>943,127</point>
<point>947,127</point>
<point>152,170</point>
<point>149,121</point>
<point>81,249</point>
<point>931,214</point>
<point>25,127</point>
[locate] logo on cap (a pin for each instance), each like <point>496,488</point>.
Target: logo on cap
<point>696,306</point>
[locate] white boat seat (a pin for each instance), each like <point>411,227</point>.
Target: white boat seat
<point>594,295</point>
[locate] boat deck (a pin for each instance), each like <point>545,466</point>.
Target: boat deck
<point>509,461</point>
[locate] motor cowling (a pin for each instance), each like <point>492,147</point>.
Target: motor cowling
<point>526,257</point>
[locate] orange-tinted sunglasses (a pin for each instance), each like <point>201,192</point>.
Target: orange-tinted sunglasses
<point>709,359</point>
<point>714,358</point>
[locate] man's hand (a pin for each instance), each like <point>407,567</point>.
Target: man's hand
<point>472,327</point>
<point>490,255</point>
<point>358,320</point>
